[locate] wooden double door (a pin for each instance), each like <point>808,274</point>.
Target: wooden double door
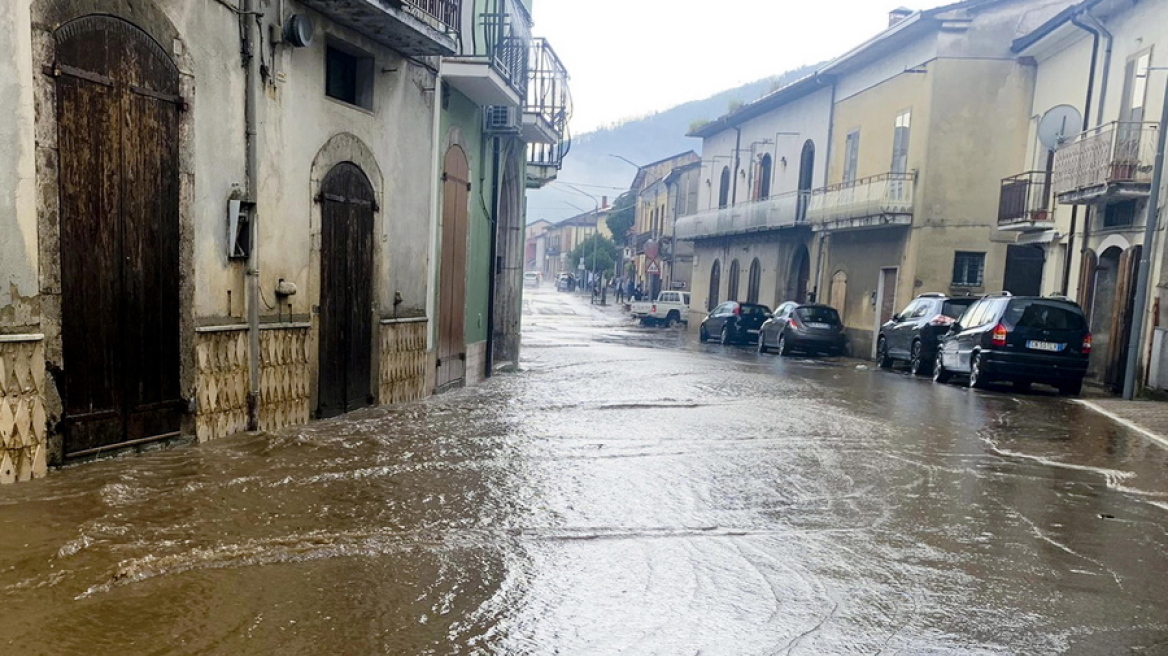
<point>452,282</point>
<point>117,136</point>
<point>346,292</point>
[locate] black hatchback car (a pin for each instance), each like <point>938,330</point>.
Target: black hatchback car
<point>1022,339</point>
<point>810,328</point>
<point>733,322</point>
<point>913,334</point>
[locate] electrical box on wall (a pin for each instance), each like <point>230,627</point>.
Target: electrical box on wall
<point>239,217</point>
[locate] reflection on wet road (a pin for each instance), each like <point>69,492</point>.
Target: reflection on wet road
<point>631,492</point>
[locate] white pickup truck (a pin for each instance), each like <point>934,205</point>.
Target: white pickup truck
<point>670,308</point>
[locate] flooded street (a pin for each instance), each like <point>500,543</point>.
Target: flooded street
<point>630,492</point>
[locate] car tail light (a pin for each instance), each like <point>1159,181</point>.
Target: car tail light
<point>737,310</point>
<point>793,321</point>
<point>1087,344</point>
<point>999,336</point>
<point>653,310</point>
<point>941,320</point>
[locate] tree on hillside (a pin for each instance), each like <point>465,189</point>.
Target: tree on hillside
<point>620,219</point>
<point>597,252</point>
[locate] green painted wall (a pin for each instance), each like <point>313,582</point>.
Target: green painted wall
<point>463,114</point>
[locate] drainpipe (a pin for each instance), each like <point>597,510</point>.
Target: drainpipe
<point>826,173</point>
<point>737,164</point>
<point>1096,36</point>
<point>1106,74</point>
<point>493,272</point>
<point>251,93</point>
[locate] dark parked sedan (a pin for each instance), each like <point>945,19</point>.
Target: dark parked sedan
<point>734,323</point>
<point>810,328</point>
<point>913,334</point>
<point>1020,339</point>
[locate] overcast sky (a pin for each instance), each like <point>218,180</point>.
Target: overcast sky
<point>632,57</point>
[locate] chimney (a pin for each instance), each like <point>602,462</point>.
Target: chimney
<point>898,14</point>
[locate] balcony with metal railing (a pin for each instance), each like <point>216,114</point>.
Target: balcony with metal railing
<point>1108,164</point>
<point>774,213</point>
<point>872,202</point>
<point>412,27</point>
<point>1024,203</point>
<point>492,69</point>
<point>546,112</point>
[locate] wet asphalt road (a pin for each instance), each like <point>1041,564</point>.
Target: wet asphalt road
<point>630,492</point>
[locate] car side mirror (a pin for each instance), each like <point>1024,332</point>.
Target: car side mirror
<point>897,318</point>
<point>767,315</point>
<point>955,328</point>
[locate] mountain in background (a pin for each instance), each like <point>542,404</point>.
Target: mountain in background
<point>644,140</point>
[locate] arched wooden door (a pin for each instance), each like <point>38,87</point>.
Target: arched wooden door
<point>452,283</point>
<point>346,291</point>
<point>117,136</point>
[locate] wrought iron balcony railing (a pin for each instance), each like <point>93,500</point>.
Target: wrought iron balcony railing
<point>1112,159</point>
<point>548,104</point>
<point>782,211</point>
<point>412,27</point>
<point>1025,202</point>
<point>506,35</point>
<point>877,200</point>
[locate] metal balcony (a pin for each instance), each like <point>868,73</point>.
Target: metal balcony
<point>1024,203</point>
<point>492,69</point>
<point>774,213</point>
<point>873,202</point>
<point>548,105</point>
<point>411,27</point>
<point>1109,164</point>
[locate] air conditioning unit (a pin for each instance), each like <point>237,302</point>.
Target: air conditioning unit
<point>501,120</point>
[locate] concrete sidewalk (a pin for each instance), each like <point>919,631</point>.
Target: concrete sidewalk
<point>1149,418</point>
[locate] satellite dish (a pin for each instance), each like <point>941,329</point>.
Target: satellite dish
<point>1058,123</point>
<point>298,30</point>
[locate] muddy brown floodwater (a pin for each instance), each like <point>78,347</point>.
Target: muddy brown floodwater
<point>630,492</point>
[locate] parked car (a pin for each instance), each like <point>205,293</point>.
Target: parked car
<point>566,282</point>
<point>733,322</point>
<point>531,279</point>
<point>913,334</point>
<point>1022,339</point>
<point>670,308</point>
<point>807,327</point>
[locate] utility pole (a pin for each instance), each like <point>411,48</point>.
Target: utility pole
<point>1135,338</point>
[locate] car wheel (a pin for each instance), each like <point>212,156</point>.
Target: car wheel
<point>762,347</point>
<point>671,320</point>
<point>1071,388</point>
<point>977,377</point>
<point>916,365</point>
<point>784,346</point>
<point>940,373</point>
<point>703,336</point>
<point>726,341</point>
<point>882,359</point>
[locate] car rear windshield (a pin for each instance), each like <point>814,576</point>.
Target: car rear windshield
<point>955,307</point>
<point>818,315</point>
<point>753,310</point>
<point>1044,315</point>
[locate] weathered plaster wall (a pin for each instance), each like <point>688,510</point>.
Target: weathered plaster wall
<point>18,252</point>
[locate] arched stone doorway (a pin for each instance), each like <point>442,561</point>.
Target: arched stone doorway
<point>753,281</point>
<point>346,292</point>
<point>118,157</point>
<point>732,283</point>
<point>798,276</point>
<point>715,285</point>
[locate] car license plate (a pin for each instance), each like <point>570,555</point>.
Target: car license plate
<point>820,326</point>
<point>1044,346</point>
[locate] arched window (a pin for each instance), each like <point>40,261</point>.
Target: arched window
<point>715,285</point>
<point>765,167</point>
<point>724,188</point>
<point>806,177</point>
<point>753,282</point>
<point>732,290</point>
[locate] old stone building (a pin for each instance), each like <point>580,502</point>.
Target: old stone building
<point>222,215</point>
